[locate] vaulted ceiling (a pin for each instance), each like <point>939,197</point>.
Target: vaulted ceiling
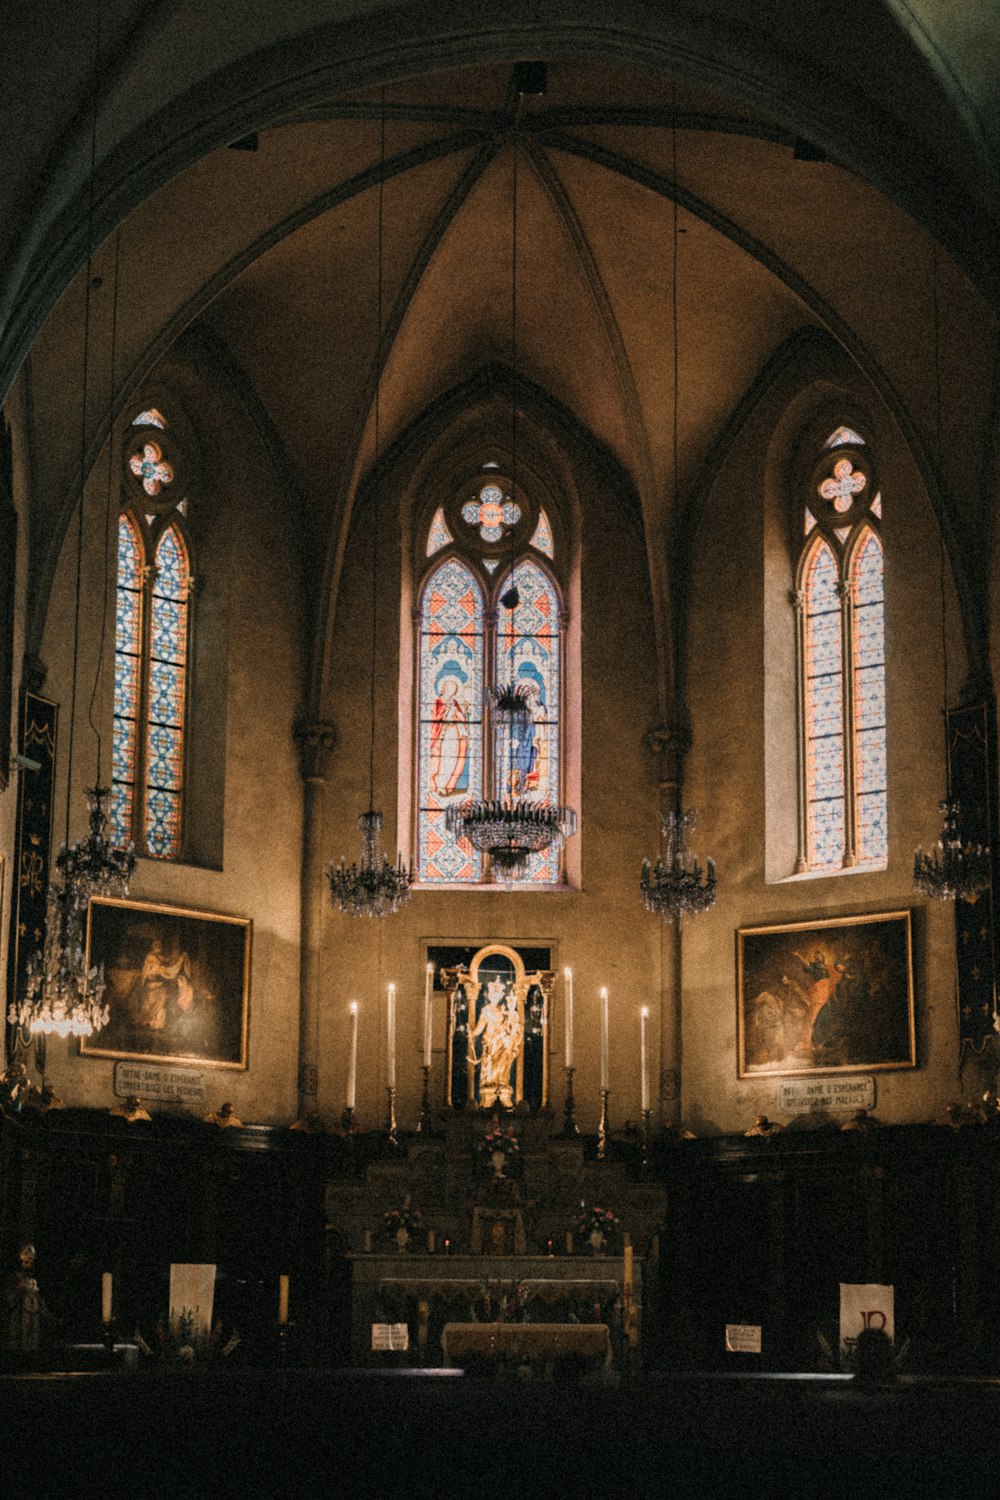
<point>264,257</point>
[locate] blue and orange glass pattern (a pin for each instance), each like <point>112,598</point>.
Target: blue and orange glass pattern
<point>869,700</point>
<point>542,539</point>
<point>152,468</point>
<point>527,655</point>
<point>491,513</point>
<point>824,710</point>
<point>167,696</point>
<point>128,654</point>
<point>450,693</point>
<point>438,536</point>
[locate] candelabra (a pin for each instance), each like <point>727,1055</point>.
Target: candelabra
<point>569,1108</point>
<point>675,886</point>
<point>390,1115</point>
<point>602,1129</point>
<point>425,1103</point>
<point>954,869</point>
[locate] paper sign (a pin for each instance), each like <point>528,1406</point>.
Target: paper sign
<point>170,1085</point>
<point>864,1306</point>
<point>742,1338</point>
<point>390,1336</point>
<point>826,1093</point>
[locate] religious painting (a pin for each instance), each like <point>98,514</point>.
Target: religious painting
<point>497,1031</point>
<point>826,996</point>
<point>178,983</point>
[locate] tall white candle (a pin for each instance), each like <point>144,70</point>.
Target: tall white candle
<point>568,978</point>
<point>390,1068</point>
<point>106,1297</point>
<point>604,1038</point>
<point>352,1063</point>
<point>428,1015</point>
<point>643,1057</point>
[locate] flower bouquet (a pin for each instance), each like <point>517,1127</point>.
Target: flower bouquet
<point>499,1146</point>
<point>596,1224</point>
<point>401,1222</point>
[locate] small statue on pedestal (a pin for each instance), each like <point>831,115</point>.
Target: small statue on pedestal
<point>224,1117</point>
<point>131,1110</point>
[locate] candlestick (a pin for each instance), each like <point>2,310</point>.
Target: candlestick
<point>352,1063</point>
<point>602,1128</point>
<point>282,1300</point>
<point>643,1068</point>
<point>604,1040</point>
<point>106,1297</point>
<point>390,1115</point>
<point>569,1108</point>
<point>645,1139</point>
<point>428,1015</point>
<point>568,978</point>
<point>390,1067</point>
<point>424,1124</point>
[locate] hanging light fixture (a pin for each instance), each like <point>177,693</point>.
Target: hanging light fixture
<point>675,886</point>
<point>510,829</point>
<point>63,995</point>
<point>373,887</point>
<point>953,869</point>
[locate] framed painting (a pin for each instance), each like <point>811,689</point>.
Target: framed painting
<point>178,983</point>
<point>830,996</point>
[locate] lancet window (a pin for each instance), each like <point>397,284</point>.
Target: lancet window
<point>839,604</point>
<point>470,645</point>
<point>152,643</point>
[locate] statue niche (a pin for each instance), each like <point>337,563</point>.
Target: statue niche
<point>497,1031</point>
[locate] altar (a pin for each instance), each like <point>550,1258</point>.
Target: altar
<point>578,1300</point>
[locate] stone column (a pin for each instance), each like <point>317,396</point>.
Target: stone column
<point>315,739</point>
<point>670,742</point>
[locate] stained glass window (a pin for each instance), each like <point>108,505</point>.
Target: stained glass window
<point>149,418</point>
<point>439,536</point>
<point>542,539</point>
<point>469,645</point>
<point>450,738</point>
<point>167,695</point>
<point>152,647</point>
<point>128,660</point>
<point>842,671</point>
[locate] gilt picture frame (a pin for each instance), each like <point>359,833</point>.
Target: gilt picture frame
<point>178,983</point>
<point>828,996</point>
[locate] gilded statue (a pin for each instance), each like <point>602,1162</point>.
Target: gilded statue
<point>500,1033</point>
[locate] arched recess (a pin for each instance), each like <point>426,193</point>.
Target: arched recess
<point>796,427</point>
<point>571,477</point>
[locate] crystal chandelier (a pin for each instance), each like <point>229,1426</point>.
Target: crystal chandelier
<point>64,996</point>
<point>675,886</point>
<point>952,870</point>
<point>373,887</point>
<point>509,830</point>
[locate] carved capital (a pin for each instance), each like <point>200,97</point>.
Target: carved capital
<point>316,739</point>
<point>671,743</point>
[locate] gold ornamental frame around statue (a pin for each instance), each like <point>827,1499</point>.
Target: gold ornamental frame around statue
<point>454,979</point>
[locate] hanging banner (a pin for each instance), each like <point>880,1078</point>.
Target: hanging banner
<point>865,1305</point>
<point>970,755</point>
<point>30,883</point>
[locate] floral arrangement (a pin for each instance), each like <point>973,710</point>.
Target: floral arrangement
<point>499,1138</point>
<point>403,1217</point>
<point>593,1217</point>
